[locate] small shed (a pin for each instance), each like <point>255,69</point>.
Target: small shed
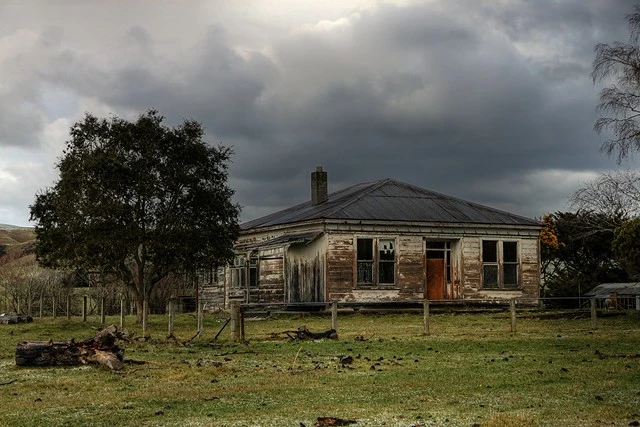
<point>623,296</point>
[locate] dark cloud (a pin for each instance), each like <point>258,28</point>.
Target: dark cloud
<point>489,101</point>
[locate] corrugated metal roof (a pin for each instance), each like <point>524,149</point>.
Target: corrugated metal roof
<point>621,289</point>
<point>391,200</point>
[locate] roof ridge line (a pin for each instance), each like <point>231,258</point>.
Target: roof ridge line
<point>374,185</point>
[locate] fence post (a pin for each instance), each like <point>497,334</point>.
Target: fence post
<point>235,321</point>
<point>121,312</point>
<point>145,307</point>
<point>241,323</point>
<point>638,302</point>
<point>594,313</point>
<point>171,317</point>
<point>200,316</point>
<point>54,307</point>
<point>68,307</point>
<point>512,309</point>
<point>84,308</point>
<point>425,317</point>
<point>102,315</point>
<point>334,316</point>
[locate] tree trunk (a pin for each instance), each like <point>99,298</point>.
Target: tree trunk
<point>100,349</point>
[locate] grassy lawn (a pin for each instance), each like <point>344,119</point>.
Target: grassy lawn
<point>471,370</point>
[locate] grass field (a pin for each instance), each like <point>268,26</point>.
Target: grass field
<point>471,370</point>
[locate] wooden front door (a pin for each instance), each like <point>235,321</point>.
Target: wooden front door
<point>435,278</point>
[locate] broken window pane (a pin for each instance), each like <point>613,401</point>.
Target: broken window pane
<point>386,261</point>
<point>386,250</point>
<point>489,251</point>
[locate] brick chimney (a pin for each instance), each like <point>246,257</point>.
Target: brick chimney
<point>318,186</point>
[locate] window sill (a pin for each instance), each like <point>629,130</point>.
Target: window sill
<point>377,287</point>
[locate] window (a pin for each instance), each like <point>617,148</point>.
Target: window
<point>386,262</point>
<point>510,264</point>
<point>238,273</point>
<point>365,262</point>
<point>499,264</point>
<point>253,272</point>
<point>376,262</point>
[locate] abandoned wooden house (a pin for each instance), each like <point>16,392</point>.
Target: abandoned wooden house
<point>382,241</point>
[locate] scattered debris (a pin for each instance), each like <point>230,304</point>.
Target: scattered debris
<point>302,333</point>
<point>346,360</point>
<point>362,338</point>
<point>8,319</point>
<point>100,349</point>
<point>332,421</point>
<point>7,382</point>
<point>624,356</point>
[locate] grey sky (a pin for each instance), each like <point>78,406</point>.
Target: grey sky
<point>485,100</point>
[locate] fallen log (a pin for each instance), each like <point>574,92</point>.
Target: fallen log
<point>101,349</point>
<point>9,319</point>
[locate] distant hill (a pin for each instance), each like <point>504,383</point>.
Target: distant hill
<point>17,245</point>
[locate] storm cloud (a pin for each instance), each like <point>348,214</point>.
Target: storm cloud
<point>484,100</point>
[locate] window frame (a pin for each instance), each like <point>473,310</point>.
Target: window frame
<point>499,265</point>
<point>376,263</point>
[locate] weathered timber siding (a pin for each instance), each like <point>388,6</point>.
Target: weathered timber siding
<point>471,266</point>
<point>305,271</point>
<point>325,269</point>
<point>212,289</point>
<point>529,267</point>
<point>271,278</point>
<point>410,268</point>
<point>340,266</point>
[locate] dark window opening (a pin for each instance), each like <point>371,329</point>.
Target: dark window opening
<point>253,273</point>
<point>365,261</point>
<point>489,251</point>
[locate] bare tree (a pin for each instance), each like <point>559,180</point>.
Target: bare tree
<point>613,196</point>
<point>620,102</point>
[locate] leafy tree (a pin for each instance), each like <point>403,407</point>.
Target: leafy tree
<point>584,257</point>
<point>626,248</point>
<point>139,200</point>
<point>620,101</point>
<point>549,247</point>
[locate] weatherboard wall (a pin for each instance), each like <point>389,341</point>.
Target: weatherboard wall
<point>325,268</point>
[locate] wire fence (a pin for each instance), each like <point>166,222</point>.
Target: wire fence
<point>81,307</point>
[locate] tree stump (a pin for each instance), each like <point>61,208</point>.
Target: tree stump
<point>100,349</point>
